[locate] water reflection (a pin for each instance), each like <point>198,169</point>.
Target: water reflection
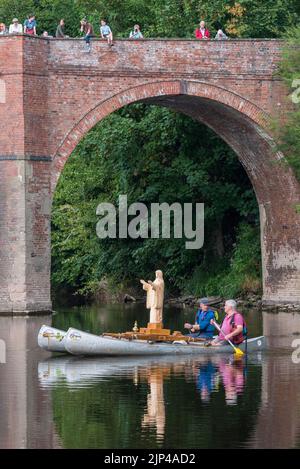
<point>174,402</point>
<point>208,376</point>
<point>233,377</point>
<point>282,329</point>
<point>278,421</point>
<point>270,383</point>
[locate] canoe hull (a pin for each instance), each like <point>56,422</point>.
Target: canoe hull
<point>82,343</point>
<point>51,339</point>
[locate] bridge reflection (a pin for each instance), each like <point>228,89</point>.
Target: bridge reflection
<point>278,421</point>
<point>26,419</point>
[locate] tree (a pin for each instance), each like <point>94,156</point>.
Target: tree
<point>162,18</point>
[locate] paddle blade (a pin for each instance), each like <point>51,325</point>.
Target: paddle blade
<point>238,352</point>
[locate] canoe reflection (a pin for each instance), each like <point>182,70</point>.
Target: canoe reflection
<point>82,372</point>
<point>207,374</point>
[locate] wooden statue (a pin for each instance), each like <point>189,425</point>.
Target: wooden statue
<point>155,300</point>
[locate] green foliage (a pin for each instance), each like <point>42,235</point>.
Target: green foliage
<point>269,18</point>
<point>161,18</point>
<point>48,13</point>
<point>237,273</point>
<point>290,65</point>
<point>19,8</point>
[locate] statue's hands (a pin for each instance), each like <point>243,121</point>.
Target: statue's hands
<point>150,283</point>
<point>142,282</point>
<point>188,325</point>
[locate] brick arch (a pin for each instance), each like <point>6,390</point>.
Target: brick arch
<point>165,93</point>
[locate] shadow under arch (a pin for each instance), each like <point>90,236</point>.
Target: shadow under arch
<point>243,125</point>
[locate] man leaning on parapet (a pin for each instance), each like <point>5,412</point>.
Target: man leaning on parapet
<point>15,27</point>
<point>30,25</point>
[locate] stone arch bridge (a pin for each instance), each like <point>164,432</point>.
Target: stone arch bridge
<point>52,93</point>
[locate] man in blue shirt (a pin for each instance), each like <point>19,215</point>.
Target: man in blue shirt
<point>202,327</point>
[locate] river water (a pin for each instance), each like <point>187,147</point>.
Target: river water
<point>173,402</point>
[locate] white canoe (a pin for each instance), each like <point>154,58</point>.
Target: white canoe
<point>51,339</point>
<point>82,343</point>
<point>77,342</point>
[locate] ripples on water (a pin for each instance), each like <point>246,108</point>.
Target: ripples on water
<point>173,402</point>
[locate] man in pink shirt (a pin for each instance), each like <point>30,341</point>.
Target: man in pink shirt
<point>202,32</point>
<point>232,326</point>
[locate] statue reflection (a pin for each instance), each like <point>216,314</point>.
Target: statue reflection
<point>155,415</point>
<point>273,378</point>
<point>209,374</point>
<point>280,391</point>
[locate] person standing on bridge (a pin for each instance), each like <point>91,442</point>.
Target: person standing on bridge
<point>202,32</point>
<point>47,35</point>
<point>60,30</point>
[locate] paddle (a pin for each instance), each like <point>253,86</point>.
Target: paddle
<point>237,351</point>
